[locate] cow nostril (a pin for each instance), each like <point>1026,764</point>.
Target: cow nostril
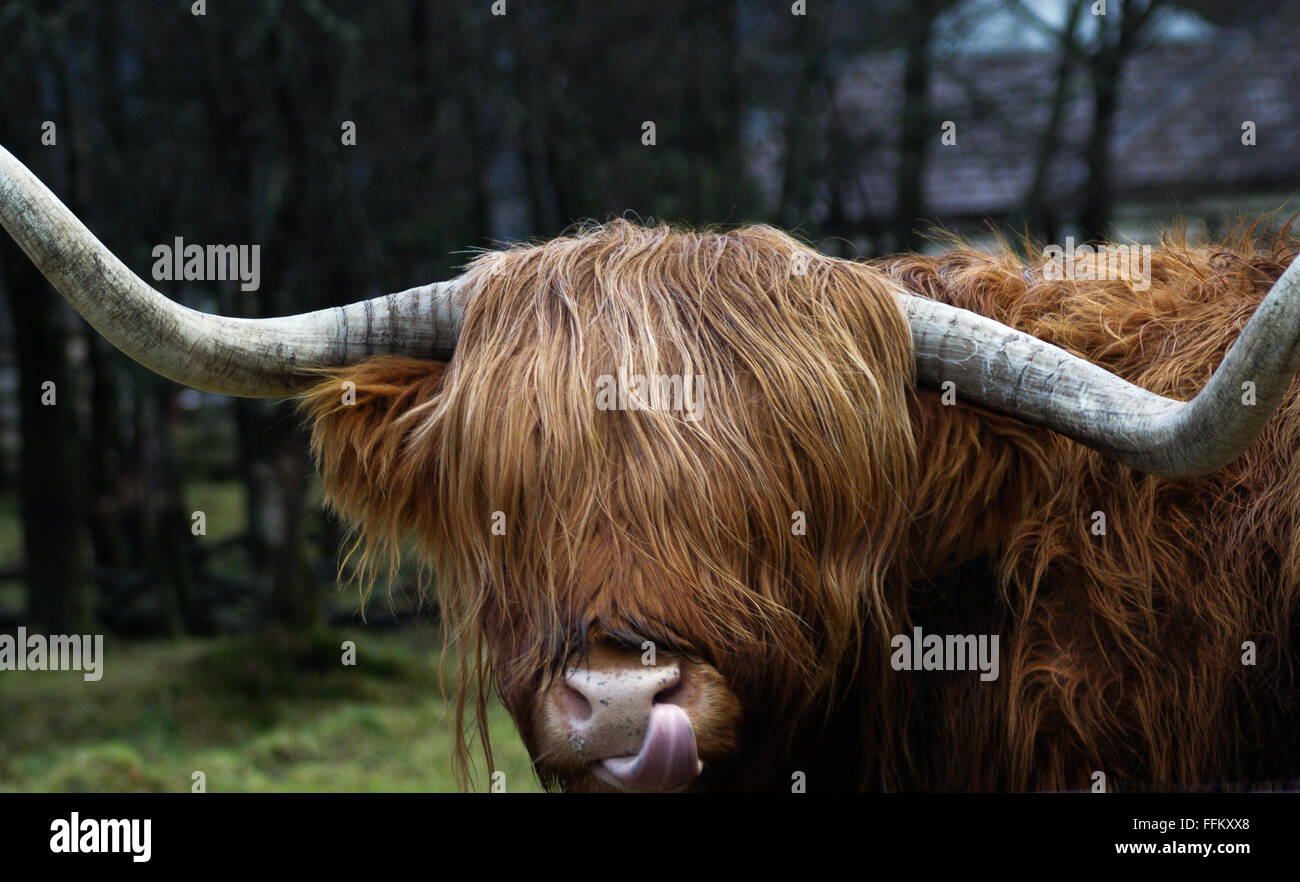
<point>573,703</point>
<point>671,695</point>
<point>673,691</point>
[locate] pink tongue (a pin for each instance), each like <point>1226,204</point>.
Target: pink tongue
<point>667,758</point>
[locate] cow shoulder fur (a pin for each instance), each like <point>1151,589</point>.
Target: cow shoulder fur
<point>1122,652</point>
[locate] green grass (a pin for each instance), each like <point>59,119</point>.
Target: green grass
<point>252,713</point>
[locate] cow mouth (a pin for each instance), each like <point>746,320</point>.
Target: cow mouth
<point>667,762</point>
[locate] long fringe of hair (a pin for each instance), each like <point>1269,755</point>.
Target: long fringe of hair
<point>757,536</point>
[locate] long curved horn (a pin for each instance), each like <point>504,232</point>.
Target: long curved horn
<point>1006,370</point>
<point>254,358</point>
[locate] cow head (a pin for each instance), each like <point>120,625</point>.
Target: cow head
<point>657,588</point>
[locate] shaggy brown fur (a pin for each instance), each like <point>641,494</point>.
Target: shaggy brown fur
<point>1121,653</point>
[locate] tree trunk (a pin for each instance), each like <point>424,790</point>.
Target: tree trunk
<point>1094,222</point>
<point>50,487</point>
<point>916,130</point>
<point>275,472</point>
<point>1115,41</point>
<point>1039,218</point>
<point>802,124</point>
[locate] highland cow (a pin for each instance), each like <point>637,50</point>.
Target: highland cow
<point>960,445</point>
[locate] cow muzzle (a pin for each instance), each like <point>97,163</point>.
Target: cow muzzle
<point>631,724</point>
